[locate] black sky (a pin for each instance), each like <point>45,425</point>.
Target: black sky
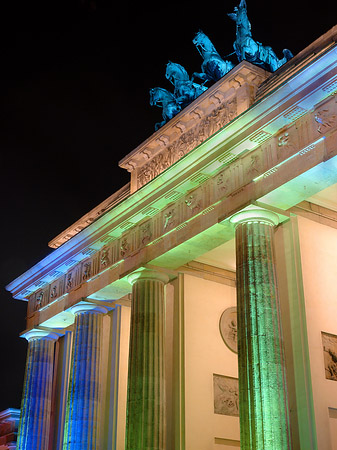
<point>75,77</point>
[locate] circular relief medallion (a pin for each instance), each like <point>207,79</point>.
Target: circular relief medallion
<point>228,328</point>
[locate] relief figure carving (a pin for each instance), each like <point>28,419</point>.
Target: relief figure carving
<point>86,271</point>
<point>329,342</point>
<point>325,120</point>
<point>125,247</point>
<point>193,203</point>
<point>188,140</point>
<point>105,259</point>
<point>226,395</point>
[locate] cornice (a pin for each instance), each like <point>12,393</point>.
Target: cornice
<point>90,217</point>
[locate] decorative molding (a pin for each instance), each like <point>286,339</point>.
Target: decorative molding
<point>245,164</point>
<point>187,141</point>
<point>90,217</point>
<point>261,163</point>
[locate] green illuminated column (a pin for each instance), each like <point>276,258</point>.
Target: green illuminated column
<point>264,417</point>
<point>36,406</point>
<point>82,424</point>
<point>145,427</point>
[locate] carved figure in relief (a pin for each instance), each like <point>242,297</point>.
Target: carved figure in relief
<point>69,283</point>
<point>53,292</point>
<point>145,233</point>
<point>330,355</point>
<point>169,218</point>
<point>228,328</point>
<point>254,165</point>
<point>164,99</point>
<point>194,203</point>
<point>39,300</point>
<point>226,395</point>
<point>86,271</point>
<point>185,90</point>
<point>222,183</point>
<point>213,67</point>
<point>246,48</point>
<point>283,140</point>
<point>325,120</point>
<point>188,140</point>
<point>105,259</point>
<point>125,247</point>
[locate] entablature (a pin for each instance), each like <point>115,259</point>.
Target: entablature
<point>261,151</point>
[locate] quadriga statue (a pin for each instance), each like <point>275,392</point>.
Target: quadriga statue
<point>246,48</point>
<point>185,90</point>
<point>213,67</point>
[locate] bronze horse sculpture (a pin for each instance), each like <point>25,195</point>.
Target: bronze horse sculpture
<point>246,48</point>
<point>213,66</point>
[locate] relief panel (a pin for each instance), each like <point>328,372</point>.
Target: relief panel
<point>329,342</point>
<point>226,395</point>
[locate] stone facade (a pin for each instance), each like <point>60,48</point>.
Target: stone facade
<point>240,168</point>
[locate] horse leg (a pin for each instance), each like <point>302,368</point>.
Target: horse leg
<point>202,76</point>
<point>159,125</point>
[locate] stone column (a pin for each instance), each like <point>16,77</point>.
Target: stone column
<point>264,417</point>
<point>34,427</point>
<point>82,424</point>
<point>145,422</point>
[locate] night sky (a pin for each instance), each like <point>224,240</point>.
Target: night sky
<point>75,77</point>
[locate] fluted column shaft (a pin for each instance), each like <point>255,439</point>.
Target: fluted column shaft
<point>145,427</point>
<point>82,423</point>
<point>34,427</point>
<point>264,417</point>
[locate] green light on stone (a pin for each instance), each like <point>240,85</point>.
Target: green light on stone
<point>264,417</point>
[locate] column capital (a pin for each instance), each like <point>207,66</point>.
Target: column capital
<point>147,274</point>
<point>255,215</point>
<point>86,307</point>
<point>39,334</point>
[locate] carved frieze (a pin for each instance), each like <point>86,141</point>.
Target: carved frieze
<point>170,219</point>
<point>326,115</point>
<point>86,270</point>
<point>194,202</point>
<point>125,246</point>
<point>145,233</point>
<point>56,288</point>
<point>105,258</point>
<point>226,395</point>
<point>232,176</point>
<point>188,140</point>
<point>228,328</point>
<point>223,183</point>
<point>329,342</point>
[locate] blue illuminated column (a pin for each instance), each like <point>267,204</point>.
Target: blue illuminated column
<point>34,427</point>
<point>83,421</point>
<point>145,422</point>
<point>264,416</point>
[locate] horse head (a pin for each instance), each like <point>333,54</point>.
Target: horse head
<point>176,72</point>
<point>243,27</point>
<point>203,43</point>
<point>159,96</point>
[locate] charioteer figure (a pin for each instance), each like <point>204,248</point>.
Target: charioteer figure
<point>246,48</point>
